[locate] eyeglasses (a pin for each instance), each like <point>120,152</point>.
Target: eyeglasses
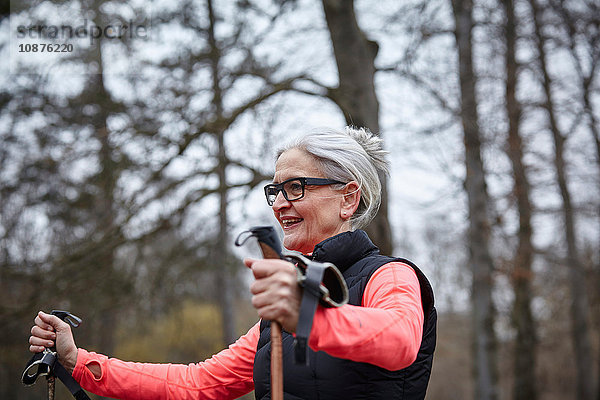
<point>293,189</point>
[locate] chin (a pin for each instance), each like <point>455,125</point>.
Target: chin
<point>290,245</point>
<point>294,244</point>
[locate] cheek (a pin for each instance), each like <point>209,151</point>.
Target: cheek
<point>323,222</point>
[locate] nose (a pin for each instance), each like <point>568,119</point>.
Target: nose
<point>280,202</point>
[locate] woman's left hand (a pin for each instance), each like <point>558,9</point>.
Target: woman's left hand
<point>276,294</point>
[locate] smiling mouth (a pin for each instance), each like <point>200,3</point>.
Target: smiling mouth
<point>289,222</point>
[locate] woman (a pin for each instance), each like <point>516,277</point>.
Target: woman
<point>379,346</point>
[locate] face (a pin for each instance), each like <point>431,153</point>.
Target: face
<point>313,218</point>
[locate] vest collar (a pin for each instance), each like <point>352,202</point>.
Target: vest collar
<point>345,249</point>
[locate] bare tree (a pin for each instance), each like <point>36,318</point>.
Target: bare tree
<point>355,95</point>
<point>480,260</point>
<point>522,274</point>
<point>221,250</point>
<point>583,42</point>
<point>580,303</point>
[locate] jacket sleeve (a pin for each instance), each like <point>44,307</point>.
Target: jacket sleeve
<point>226,375</point>
<point>385,331</point>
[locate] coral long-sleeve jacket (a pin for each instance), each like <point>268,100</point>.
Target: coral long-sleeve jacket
<point>386,331</point>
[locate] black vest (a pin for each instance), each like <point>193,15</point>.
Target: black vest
<point>334,378</point>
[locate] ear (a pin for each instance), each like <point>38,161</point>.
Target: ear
<point>350,200</point>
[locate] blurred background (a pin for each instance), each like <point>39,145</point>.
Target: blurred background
<point>136,136</point>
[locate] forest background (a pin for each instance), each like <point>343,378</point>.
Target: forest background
<point>129,164</point>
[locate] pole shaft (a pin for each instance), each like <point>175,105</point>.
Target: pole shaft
<point>50,381</point>
<point>276,362</point>
<point>276,346</point>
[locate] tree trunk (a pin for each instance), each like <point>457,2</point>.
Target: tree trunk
<point>111,286</point>
<point>583,23</point>
<point>522,274</point>
<point>587,88</point>
<point>593,123</point>
<point>480,260</point>
<point>225,273</point>
<point>581,335</point>
<point>225,276</point>
<point>355,95</point>
<point>103,209</point>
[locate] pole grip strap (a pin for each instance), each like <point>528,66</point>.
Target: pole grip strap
<point>308,307</point>
<point>46,364</point>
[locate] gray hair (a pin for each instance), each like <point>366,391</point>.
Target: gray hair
<point>353,155</point>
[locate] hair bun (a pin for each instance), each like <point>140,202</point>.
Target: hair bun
<point>373,146</point>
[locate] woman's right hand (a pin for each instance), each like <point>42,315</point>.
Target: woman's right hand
<point>48,331</point>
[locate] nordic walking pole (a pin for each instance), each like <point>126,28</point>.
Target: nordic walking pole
<point>50,378</point>
<point>271,248</point>
<point>276,347</point>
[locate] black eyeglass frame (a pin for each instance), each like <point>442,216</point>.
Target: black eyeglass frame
<point>304,181</point>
